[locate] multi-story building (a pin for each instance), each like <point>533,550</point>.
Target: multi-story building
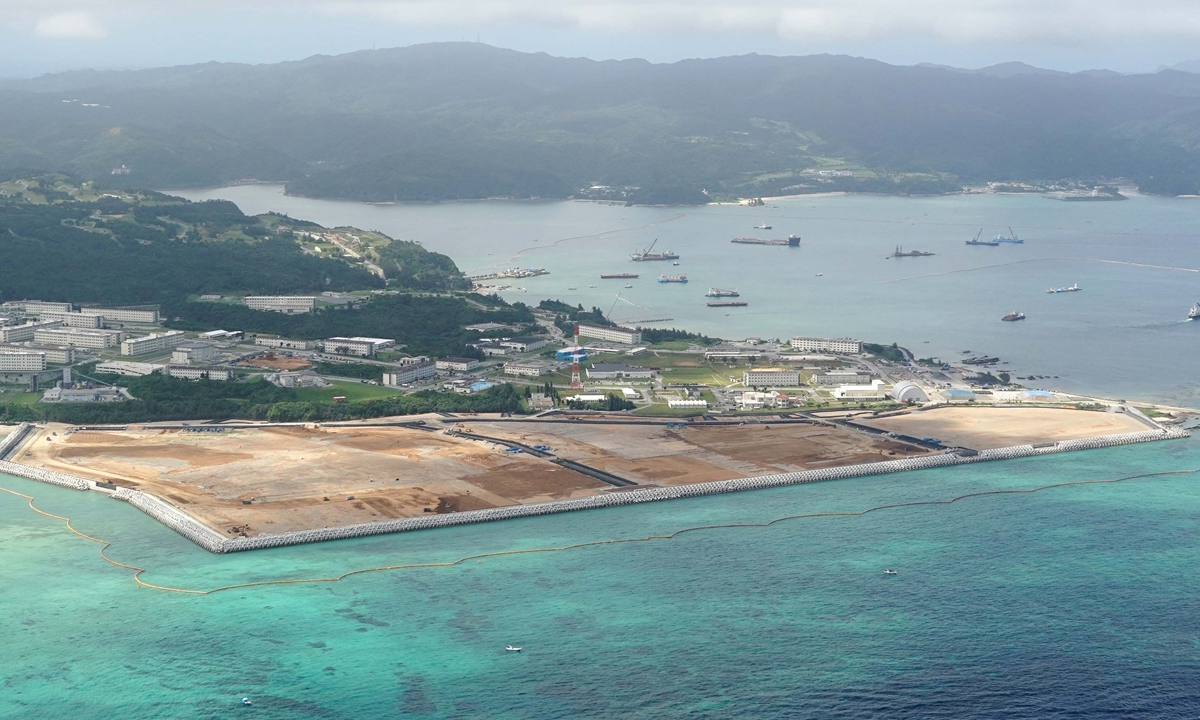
<point>199,372</point>
<point>193,353</point>
<point>286,343</point>
<point>21,361</point>
<point>457,364</point>
<point>616,333</point>
<point>613,371</point>
<point>410,373</point>
<point>529,368</point>
<point>840,377</point>
<point>874,391</point>
<point>38,307</point>
<point>127,368</point>
<point>523,344</point>
<point>58,355</point>
<point>771,377</point>
<point>361,346</point>
<point>78,337</point>
<point>835,345</point>
<point>136,315</point>
<point>25,332</point>
<point>152,343</point>
<point>74,319</point>
<point>289,304</point>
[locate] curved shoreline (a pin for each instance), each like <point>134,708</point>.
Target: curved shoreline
<point>214,542</point>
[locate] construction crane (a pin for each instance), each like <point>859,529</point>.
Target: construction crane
<point>576,377</point>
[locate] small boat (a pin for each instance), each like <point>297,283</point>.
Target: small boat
<point>571,288</point>
<point>1194,313</point>
<point>510,648</point>
<point>764,226</point>
<point>820,274</point>
<point>591,286</point>
<point>1013,316</point>
<point>889,571</point>
<point>246,701</point>
<point>627,285</point>
<point>675,263</point>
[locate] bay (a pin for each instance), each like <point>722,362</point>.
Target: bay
<point>1124,336</point>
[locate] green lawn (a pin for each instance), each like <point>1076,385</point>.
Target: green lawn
<point>20,398</point>
<point>352,390</point>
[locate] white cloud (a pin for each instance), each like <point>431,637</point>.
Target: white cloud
<point>69,25</point>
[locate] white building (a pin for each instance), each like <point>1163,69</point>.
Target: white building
<point>771,377</point>
<point>612,371</point>
<point>835,345</point>
<point>222,335</point>
<point>874,391</point>
<point>523,344</point>
<point>79,337</point>
<point>410,373</point>
<point>37,307</point>
<point>909,392</point>
<point>128,369</point>
<point>69,395</point>
<point>58,355</point>
<point>193,353</point>
<point>676,403</point>
<point>137,315</point>
<point>754,400</point>
<point>289,304</point>
<point>74,319</point>
<point>25,332</point>
<point>457,364</point>
<point>617,334</point>
<point>152,343</point>
<point>526,369</point>
<point>360,346</point>
<point>286,343</point>
<point>19,361</point>
<point>841,377</point>
<point>196,372</point>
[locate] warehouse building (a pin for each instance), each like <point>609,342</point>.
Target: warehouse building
<point>616,334</point>
<point>79,337</point>
<point>411,373</point>
<point>360,346</point>
<point>127,368</point>
<point>193,353</point>
<point>874,391</point>
<point>136,315</point>
<point>152,343</point>
<point>909,392</point>
<point>286,343</point>
<point>89,395</point>
<point>613,371</point>
<point>771,377</point>
<point>834,345</point>
<point>523,344</point>
<point>289,304</point>
<point>21,361</point>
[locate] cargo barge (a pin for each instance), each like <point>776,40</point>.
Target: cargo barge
<point>672,279</point>
<point>791,241</point>
<point>719,293</point>
<point>646,255</point>
<point>728,303</point>
<point>620,276</point>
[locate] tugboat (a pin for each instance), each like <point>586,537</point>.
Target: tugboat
<point>1013,316</point>
<point>1012,238</point>
<point>1194,313</point>
<point>646,255</point>
<point>986,243</point>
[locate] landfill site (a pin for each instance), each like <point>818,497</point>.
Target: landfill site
<point>247,479</point>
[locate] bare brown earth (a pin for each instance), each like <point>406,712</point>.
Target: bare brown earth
<point>309,477</point>
<point>983,428</point>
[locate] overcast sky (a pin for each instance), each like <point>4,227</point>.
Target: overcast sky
<point>38,36</point>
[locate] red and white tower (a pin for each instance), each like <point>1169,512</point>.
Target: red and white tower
<point>576,378</point>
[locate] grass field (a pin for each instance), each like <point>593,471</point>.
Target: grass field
<point>20,398</point>
<point>351,390</point>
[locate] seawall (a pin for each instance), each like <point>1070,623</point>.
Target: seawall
<point>214,542</point>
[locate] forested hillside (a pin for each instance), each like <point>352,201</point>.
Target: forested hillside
<point>464,120</point>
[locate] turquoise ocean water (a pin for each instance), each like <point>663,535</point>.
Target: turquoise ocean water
<point>1073,602</point>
